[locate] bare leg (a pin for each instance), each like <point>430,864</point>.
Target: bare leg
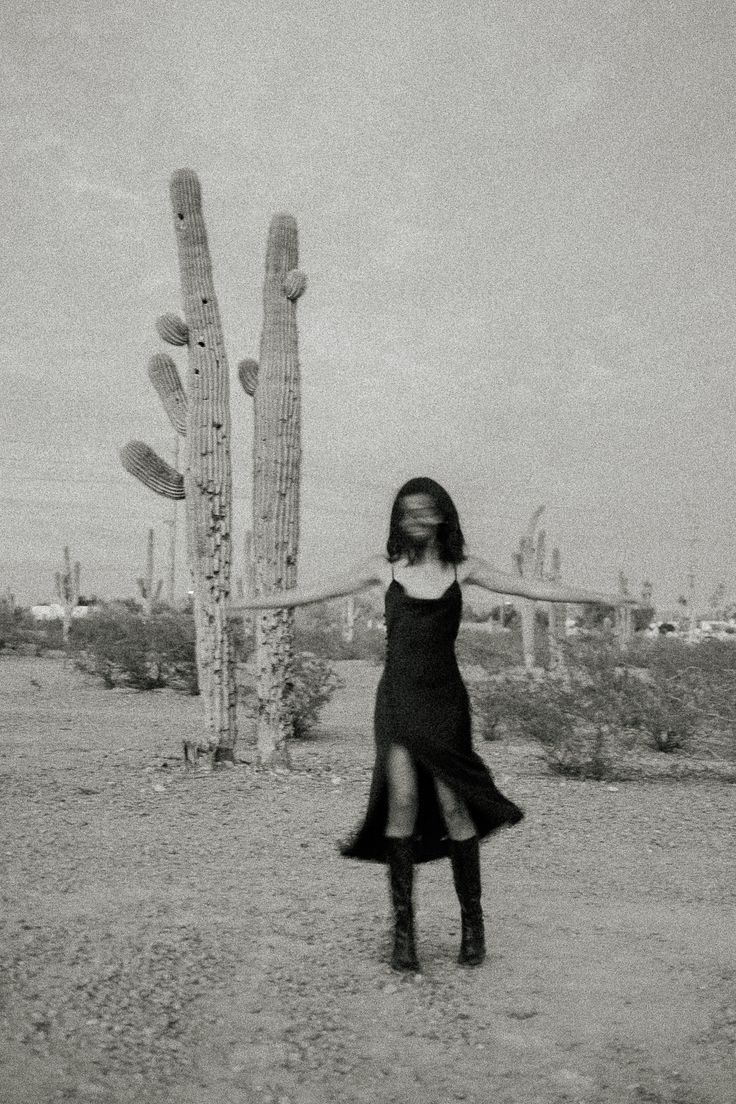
<point>402,792</point>
<point>459,825</point>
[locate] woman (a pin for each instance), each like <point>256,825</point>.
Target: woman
<point>431,794</point>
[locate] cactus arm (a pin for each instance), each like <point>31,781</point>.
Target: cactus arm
<point>153,472</point>
<point>248,375</point>
<point>165,378</point>
<point>294,285</point>
<point>540,554</point>
<point>172,329</point>
<point>533,523</point>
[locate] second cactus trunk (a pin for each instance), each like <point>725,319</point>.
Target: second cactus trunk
<point>276,464</point>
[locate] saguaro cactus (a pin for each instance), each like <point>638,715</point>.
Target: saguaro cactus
<point>145,582</point>
<point>557,619</point>
<point>527,564</point>
<point>624,618</point>
<point>530,562</point>
<point>348,627</point>
<point>67,591</point>
<point>274,383</point>
<point>202,415</point>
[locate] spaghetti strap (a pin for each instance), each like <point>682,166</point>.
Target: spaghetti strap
<point>392,571</point>
<point>455,566</point>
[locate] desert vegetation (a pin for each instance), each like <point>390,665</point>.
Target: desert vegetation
<point>609,709</point>
<point>661,706</point>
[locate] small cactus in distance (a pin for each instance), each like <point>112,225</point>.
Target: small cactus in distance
<point>67,591</point>
<point>624,616</point>
<point>348,628</point>
<point>145,583</point>
<point>528,561</point>
<point>557,619</point>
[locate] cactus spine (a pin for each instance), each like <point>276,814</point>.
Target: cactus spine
<point>275,385</point>
<point>202,415</point>
<point>67,591</point>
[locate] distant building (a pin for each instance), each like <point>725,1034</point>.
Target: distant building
<point>718,630</point>
<point>52,611</point>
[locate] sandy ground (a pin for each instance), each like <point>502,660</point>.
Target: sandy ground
<point>197,939</point>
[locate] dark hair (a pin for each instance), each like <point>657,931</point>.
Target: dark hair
<point>449,534</point>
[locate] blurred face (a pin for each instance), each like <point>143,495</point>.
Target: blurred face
<point>419,517</point>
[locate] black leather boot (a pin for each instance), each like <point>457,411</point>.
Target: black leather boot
<point>400,860</point>
<point>465,855</point>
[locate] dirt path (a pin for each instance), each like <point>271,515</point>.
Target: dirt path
<point>198,940</point>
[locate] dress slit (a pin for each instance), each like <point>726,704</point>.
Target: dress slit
<point>422,704</point>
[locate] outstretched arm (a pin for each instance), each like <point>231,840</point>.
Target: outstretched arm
<point>361,577</point>
<point>503,582</point>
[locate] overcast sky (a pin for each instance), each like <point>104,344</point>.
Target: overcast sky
<point>517,220</point>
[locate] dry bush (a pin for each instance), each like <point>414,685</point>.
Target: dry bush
<point>123,648</point>
<point>318,630</point>
<point>312,683</point>
<point>20,633</point>
<point>673,697</point>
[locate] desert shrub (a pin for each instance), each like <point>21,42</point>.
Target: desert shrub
<point>583,752</point>
<point>318,630</point>
<point>575,738</point>
<point>692,685</point>
<point>10,626</point>
<point>19,632</point>
<point>313,681</point>
<point>498,651</point>
<point>586,718</point>
<point>123,648</point>
<point>494,651</point>
<point>701,675</point>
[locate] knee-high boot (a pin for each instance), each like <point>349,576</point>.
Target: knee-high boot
<point>465,855</point>
<point>401,879</point>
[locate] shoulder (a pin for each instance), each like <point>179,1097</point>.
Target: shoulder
<point>466,569</point>
<point>376,569</point>
<point>473,570</point>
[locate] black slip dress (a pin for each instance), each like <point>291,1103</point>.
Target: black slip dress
<point>422,704</point>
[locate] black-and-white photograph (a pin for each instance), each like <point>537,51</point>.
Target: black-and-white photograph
<point>367,571</point>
